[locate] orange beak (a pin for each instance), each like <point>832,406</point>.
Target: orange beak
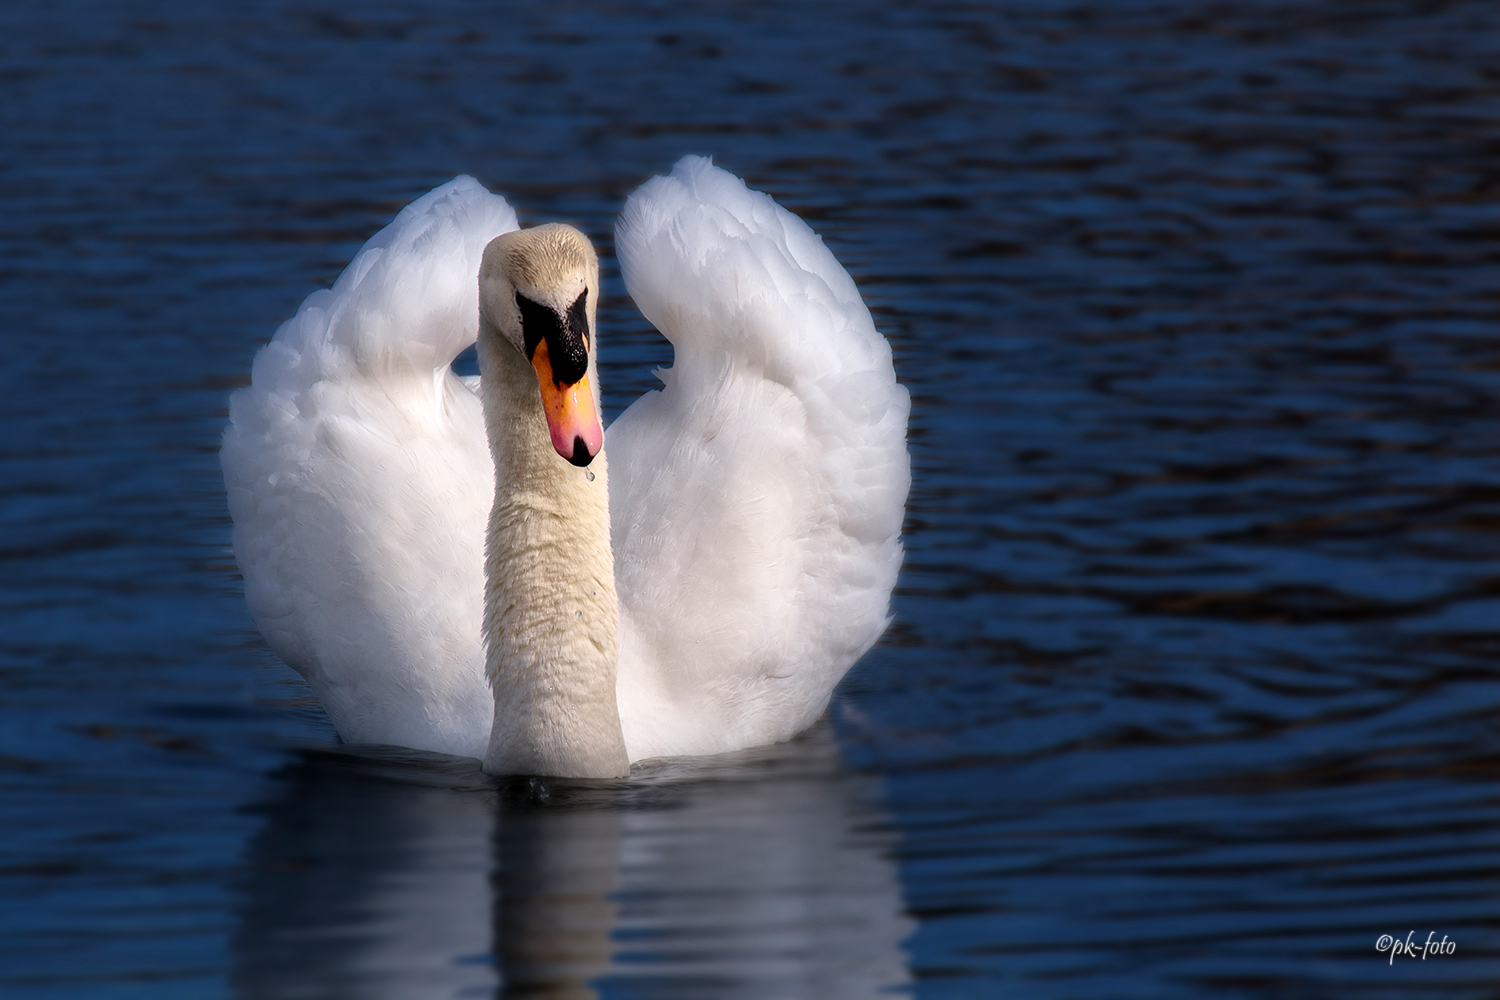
<point>572,418</point>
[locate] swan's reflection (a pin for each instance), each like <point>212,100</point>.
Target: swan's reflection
<point>556,873</point>
<point>360,887</point>
<point>764,873</point>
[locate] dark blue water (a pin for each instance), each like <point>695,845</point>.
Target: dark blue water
<point>1192,686</point>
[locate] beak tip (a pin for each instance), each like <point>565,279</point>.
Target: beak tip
<point>581,455</point>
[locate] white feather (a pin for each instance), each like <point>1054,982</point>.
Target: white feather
<point>755,500</point>
<point>359,481</point>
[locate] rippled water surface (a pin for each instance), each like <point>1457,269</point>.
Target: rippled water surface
<point>1191,686</point>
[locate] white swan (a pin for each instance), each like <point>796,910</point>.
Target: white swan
<point>703,592</point>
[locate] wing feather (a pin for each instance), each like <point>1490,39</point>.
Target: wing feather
<point>359,481</point>
<point>756,499</point>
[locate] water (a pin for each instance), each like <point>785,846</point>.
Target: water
<point>1190,691</point>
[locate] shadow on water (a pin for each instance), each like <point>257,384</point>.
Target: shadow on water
<point>381,872</point>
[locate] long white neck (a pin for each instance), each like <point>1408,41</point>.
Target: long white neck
<point>550,615</point>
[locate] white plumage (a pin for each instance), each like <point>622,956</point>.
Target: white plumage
<point>755,500</point>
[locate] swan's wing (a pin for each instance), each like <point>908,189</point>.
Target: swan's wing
<point>359,480</point>
<point>756,499</point>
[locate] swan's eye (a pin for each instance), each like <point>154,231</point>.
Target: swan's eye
<point>578,317</point>
<point>536,321</point>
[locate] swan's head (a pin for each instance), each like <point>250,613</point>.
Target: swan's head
<point>539,288</point>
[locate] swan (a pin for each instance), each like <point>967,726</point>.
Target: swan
<point>475,566</point>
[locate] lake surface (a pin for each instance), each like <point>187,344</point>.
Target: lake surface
<point>1191,690</point>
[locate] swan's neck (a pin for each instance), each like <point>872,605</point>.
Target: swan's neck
<point>550,616</point>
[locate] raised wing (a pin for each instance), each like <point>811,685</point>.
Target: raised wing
<point>359,480</point>
<point>756,499</point>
